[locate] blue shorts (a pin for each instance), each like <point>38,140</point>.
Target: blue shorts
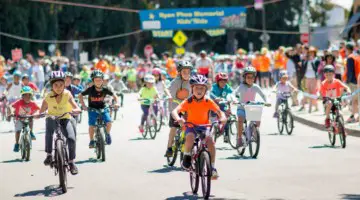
<point>94,115</point>
<point>195,130</point>
<point>241,113</point>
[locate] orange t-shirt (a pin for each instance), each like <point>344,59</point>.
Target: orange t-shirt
<point>102,66</point>
<point>331,90</point>
<point>279,61</point>
<point>264,64</point>
<point>198,111</point>
<point>256,63</point>
<point>171,68</point>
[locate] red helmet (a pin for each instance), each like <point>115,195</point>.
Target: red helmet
<point>221,76</point>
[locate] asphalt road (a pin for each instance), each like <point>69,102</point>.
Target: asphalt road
<point>300,166</point>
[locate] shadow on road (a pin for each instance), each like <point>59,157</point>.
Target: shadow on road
<point>139,138</point>
<point>323,147</point>
<point>13,161</point>
<point>49,191</point>
<point>90,160</point>
<point>7,132</point>
<point>166,169</point>
<point>224,149</point>
<point>191,196</point>
<point>237,157</point>
<point>350,196</point>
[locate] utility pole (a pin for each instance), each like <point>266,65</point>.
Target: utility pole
<point>265,42</point>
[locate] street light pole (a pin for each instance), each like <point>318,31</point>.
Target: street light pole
<point>265,42</point>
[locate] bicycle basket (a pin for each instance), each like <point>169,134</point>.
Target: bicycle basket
<point>253,112</point>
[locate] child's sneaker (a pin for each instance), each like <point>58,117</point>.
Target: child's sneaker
<point>16,148</point>
<point>327,123</point>
<point>276,115</point>
<point>32,135</point>
<point>141,129</point>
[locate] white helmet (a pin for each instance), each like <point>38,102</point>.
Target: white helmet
<point>149,78</point>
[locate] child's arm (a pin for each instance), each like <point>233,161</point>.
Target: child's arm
<point>261,93</point>
<point>44,107</point>
<point>293,87</point>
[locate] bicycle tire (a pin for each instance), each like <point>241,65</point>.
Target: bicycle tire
<point>215,133</point>
<point>289,122</point>
<point>171,160</point>
<point>22,147</point>
<point>194,172</point>
<point>115,114</point>
<point>255,138</point>
<point>146,130</point>
<point>61,165</point>
<point>79,118</point>
<point>341,131</point>
<point>233,134</point>
<point>97,144</point>
<point>153,128</point>
<point>206,172</point>
<point>27,148</point>
<point>159,123</point>
<point>332,136</point>
<point>280,121</point>
<point>102,146</point>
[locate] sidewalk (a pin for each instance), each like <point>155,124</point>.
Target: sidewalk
<point>317,119</point>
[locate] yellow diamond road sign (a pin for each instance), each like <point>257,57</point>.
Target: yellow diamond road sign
<point>180,50</point>
<point>180,38</point>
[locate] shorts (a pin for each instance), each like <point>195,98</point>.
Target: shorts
<point>264,74</point>
<point>94,115</point>
<point>241,113</point>
<point>173,123</point>
<point>197,130</point>
<point>18,126</point>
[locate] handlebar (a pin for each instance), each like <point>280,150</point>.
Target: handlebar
<point>253,103</point>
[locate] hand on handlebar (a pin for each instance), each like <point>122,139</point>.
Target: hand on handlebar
<point>85,108</point>
<point>181,122</point>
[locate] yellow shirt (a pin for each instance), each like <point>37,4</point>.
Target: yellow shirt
<point>57,109</point>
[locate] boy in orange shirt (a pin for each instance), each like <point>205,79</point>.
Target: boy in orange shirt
<point>331,88</point>
<point>197,108</point>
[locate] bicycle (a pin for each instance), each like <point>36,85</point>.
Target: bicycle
<point>219,129</point>
<point>336,123</point>
<point>150,122</point>
<point>200,161</point>
<point>161,115</point>
<point>60,154</point>
<point>251,133</point>
<point>178,146</point>
<point>79,117</point>
<point>285,117</point>
<point>3,107</point>
<point>100,131</point>
<point>25,138</point>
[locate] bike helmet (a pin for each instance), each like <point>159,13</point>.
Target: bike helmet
<point>184,65</point>
<point>117,74</point>
<point>156,71</point>
<point>221,76</point>
<point>26,90</point>
<point>106,77</point>
<point>68,74</point>
<point>149,78</point>
<point>17,73</point>
<point>163,72</point>
<point>249,70</point>
<point>6,78</point>
<point>329,68</point>
<point>77,77</point>
<point>56,76</point>
<point>283,73</point>
<point>97,74</point>
<point>25,76</point>
<point>198,80</point>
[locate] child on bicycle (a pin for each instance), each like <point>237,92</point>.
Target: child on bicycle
<point>283,86</point>
<point>23,106</point>
<point>219,91</point>
<point>58,102</point>
<point>180,90</point>
<point>331,88</point>
<point>149,93</point>
<point>197,108</point>
<point>96,95</point>
<point>246,92</point>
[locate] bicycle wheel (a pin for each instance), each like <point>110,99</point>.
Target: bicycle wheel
<point>79,118</point>
<point>102,145</point>
<point>22,147</point>
<point>171,160</point>
<point>159,119</point>
<point>341,132</point>
<point>153,128</point>
<point>233,134</point>
<point>254,141</point>
<point>332,135</point>
<point>146,130</point>
<point>216,133</point>
<point>27,147</point>
<point>61,165</point>
<point>115,113</point>
<point>280,121</point>
<point>194,172</point>
<point>205,168</point>
<point>97,144</point>
<point>289,121</point>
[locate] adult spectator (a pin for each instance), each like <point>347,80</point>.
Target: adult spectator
<point>309,70</point>
<point>265,64</point>
<point>169,65</point>
<point>291,71</point>
<point>339,62</point>
<point>38,75</point>
<point>279,62</point>
<point>350,76</point>
<point>329,59</point>
<point>204,65</point>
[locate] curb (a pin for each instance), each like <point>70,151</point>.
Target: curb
<point>352,132</point>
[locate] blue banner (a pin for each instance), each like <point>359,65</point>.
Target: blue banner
<point>193,18</point>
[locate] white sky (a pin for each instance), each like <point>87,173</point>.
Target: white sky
<point>344,3</point>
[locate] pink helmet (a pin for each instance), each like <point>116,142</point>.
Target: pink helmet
<point>156,71</point>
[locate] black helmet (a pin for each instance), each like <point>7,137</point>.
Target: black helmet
<point>249,70</point>
<point>97,74</point>
<point>198,79</point>
<point>184,65</point>
<point>329,68</point>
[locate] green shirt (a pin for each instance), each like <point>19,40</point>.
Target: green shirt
<point>131,75</point>
<point>148,93</point>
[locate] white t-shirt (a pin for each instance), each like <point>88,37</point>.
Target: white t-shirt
<point>290,67</point>
<point>310,73</point>
<point>39,73</point>
<point>200,62</point>
<point>340,62</point>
